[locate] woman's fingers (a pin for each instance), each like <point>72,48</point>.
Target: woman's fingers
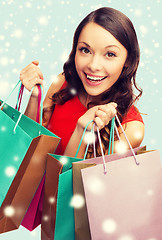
<point>104,114</point>
<point>36,62</point>
<point>31,70</point>
<point>101,116</point>
<point>31,75</point>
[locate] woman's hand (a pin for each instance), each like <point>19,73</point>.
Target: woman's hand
<point>101,115</point>
<point>30,76</point>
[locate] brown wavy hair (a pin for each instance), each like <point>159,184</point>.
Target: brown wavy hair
<point>120,26</point>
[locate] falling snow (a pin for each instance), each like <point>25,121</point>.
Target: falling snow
<point>44,30</point>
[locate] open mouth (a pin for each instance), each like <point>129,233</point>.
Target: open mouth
<point>95,79</point>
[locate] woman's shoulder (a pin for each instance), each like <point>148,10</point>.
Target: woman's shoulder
<point>133,114</point>
<point>56,85</point>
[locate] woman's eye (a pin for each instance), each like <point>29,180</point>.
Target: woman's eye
<point>84,50</point>
<point>110,54</point>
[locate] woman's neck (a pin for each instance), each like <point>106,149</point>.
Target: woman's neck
<point>85,98</point>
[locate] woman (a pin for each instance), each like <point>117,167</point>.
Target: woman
<point>96,84</point>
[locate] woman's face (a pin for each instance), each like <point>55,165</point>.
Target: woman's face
<point>99,59</point>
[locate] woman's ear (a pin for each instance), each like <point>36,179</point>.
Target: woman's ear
<point>127,62</point>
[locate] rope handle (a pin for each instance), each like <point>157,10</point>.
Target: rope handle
<point>92,131</point>
<point>111,141</point>
<point>19,99</point>
<point>9,95</point>
<point>85,129</point>
<point>134,155</point>
<point>39,111</point>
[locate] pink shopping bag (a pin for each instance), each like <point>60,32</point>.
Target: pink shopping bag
<point>33,215</point>
<point>125,203</point>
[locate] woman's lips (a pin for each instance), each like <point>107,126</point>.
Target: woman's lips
<point>94,80</point>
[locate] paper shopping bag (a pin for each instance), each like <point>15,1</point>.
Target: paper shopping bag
<point>81,218</point>
<point>62,224</point>
<point>23,148</point>
<point>80,213</point>
<point>53,169</point>
<point>125,202</point>
<point>33,215</point>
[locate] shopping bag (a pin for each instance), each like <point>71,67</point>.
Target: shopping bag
<point>58,219</point>
<point>80,214</point>
<point>24,145</point>
<point>126,201</point>
<point>64,223</point>
<point>33,214</point>
<point>53,169</point>
<point>61,225</point>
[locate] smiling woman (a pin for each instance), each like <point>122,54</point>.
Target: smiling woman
<point>97,83</point>
<point>98,63</point>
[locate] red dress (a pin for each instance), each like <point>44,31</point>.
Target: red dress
<point>65,117</point>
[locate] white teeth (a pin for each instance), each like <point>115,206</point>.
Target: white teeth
<point>95,78</point>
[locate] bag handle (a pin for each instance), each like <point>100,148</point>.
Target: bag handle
<point>111,141</point>
<point>40,107</point>
<point>137,163</point>
<point>85,129</point>
<point>19,97</point>
<point>40,103</point>
<point>92,131</point>
<point>9,95</point>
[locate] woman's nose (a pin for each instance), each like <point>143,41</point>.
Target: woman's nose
<point>95,63</point>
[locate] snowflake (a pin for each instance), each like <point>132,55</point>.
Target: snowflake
<point>43,20</point>
<point>138,12</point>
<point>77,201</point>
<point>154,22</point>
<point>18,33</point>
<point>143,29</point>
<point>10,171</point>
<point>155,81</point>
<point>156,45</point>
<point>28,5</point>
<point>9,211</point>
<point>4,61</point>
<point>109,226</point>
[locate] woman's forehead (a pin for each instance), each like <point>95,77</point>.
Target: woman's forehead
<point>95,35</point>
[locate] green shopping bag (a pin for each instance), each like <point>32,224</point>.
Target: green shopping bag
<point>60,169</point>
<point>65,225</point>
<point>24,145</point>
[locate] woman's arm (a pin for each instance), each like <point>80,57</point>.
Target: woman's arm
<point>134,131</point>
<point>48,103</point>
<point>30,76</point>
<point>101,115</point>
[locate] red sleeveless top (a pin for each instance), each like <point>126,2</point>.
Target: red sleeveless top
<point>65,117</point>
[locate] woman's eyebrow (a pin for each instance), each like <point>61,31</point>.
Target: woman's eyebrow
<point>109,46</point>
<point>85,43</point>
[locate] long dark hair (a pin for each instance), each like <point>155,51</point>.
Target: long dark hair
<point>120,26</point>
